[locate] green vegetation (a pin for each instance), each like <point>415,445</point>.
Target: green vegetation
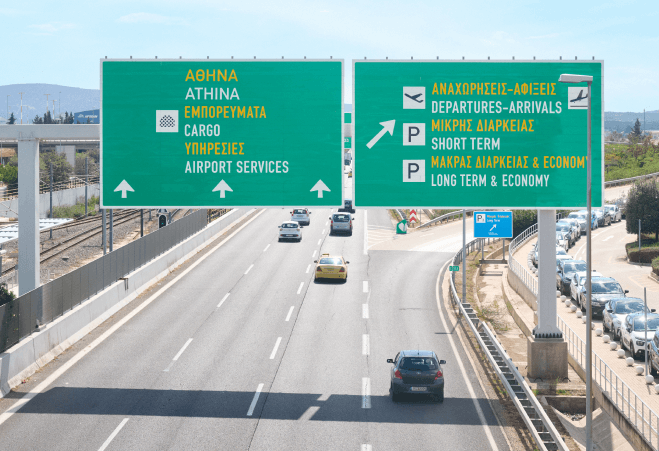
<point>77,210</point>
<point>624,161</point>
<point>9,176</point>
<point>655,266</point>
<point>643,204</point>
<point>5,295</point>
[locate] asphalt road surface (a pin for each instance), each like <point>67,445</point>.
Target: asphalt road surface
<point>245,351</point>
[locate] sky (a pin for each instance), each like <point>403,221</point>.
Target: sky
<point>62,42</point>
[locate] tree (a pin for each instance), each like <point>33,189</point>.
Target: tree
<point>61,168</point>
<point>9,175</point>
<point>80,165</point>
<point>643,204</point>
<point>5,295</point>
<point>37,120</point>
<point>12,119</point>
<point>635,133</point>
<point>47,118</point>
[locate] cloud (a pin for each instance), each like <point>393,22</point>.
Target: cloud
<point>52,27</point>
<point>152,18</point>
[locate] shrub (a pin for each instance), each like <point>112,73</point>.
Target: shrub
<point>655,266</point>
<point>643,204</point>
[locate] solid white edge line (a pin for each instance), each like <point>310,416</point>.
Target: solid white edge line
<point>61,370</point>
<point>470,388</point>
<point>365,232</point>
<point>300,289</point>
<point>274,350</point>
<point>223,299</point>
<point>308,268</point>
<point>290,312</point>
<point>365,311</point>
<point>255,400</point>
<point>249,269</point>
<point>365,345</point>
<point>366,392</point>
<point>114,434</point>
<point>187,343</point>
<point>366,286</point>
<point>266,248</point>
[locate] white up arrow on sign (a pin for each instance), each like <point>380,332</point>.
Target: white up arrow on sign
<point>123,187</point>
<point>222,187</point>
<point>387,126</point>
<point>320,187</point>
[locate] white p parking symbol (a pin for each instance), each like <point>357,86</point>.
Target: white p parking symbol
<point>414,171</point>
<point>414,134</point>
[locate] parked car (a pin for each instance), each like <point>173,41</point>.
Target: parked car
<point>574,226</point>
<point>614,211</point>
<point>632,334</point>
<point>563,240</point>
<point>581,219</point>
<point>653,355</point>
<point>290,230</point>
<point>603,217</point>
<point>604,289</point>
<point>577,283</point>
<point>567,229</point>
<point>301,215</point>
<point>565,272</point>
<point>417,372</point>
<point>617,310</point>
<point>593,220</point>
<point>340,223</point>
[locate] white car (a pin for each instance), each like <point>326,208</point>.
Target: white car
<point>632,333</point>
<point>614,211</point>
<point>301,216</point>
<point>562,240</point>
<point>577,284</point>
<point>290,230</point>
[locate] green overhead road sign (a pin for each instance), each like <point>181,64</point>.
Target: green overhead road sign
<point>482,134</point>
<point>214,133</point>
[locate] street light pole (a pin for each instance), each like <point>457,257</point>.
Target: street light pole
<point>588,79</point>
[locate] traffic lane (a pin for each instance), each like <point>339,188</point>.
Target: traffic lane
<point>131,340</point>
<point>378,217</point>
<point>403,308</point>
<point>315,400</point>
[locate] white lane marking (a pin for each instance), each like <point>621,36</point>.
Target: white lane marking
<point>75,359</point>
<point>187,343</point>
<point>608,238</point>
<point>366,447</point>
<point>169,367</point>
<point>366,233</point>
<point>327,222</point>
<point>472,393</point>
<point>255,400</point>
<point>308,268</point>
<point>366,286</point>
<point>300,289</point>
<point>223,299</point>
<point>366,346</point>
<point>274,350</point>
<point>314,254</point>
<point>320,241</point>
<point>114,434</point>
<point>365,311</point>
<point>290,312</point>
<point>366,392</point>
<point>309,413</point>
<point>266,248</point>
<point>249,269</point>
<point>323,232</point>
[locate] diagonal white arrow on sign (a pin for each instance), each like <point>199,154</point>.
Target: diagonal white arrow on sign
<point>320,187</point>
<point>222,187</point>
<point>123,187</point>
<point>387,126</point>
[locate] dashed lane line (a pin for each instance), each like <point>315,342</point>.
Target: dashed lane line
<point>299,290</point>
<point>250,412</point>
<point>366,392</point>
<point>366,345</point>
<point>266,248</point>
<point>223,299</point>
<point>365,286</point>
<point>114,434</point>
<point>365,311</point>
<point>290,312</point>
<point>274,350</point>
<point>249,269</point>
<point>308,268</point>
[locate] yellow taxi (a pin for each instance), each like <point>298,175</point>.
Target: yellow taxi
<point>331,267</point>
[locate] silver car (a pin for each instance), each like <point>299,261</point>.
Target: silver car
<point>632,333</point>
<point>617,310</point>
<point>301,216</point>
<point>577,284</point>
<point>341,223</point>
<point>614,211</point>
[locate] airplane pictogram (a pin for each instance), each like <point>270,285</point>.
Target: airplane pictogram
<point>415,97</point>
<point>579,97</point>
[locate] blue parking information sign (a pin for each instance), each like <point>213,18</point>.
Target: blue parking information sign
<point>493,224</point>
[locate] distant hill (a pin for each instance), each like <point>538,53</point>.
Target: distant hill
<point>34,100</point>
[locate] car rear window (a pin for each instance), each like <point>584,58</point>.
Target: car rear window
<point>299,212</point>
<point>639,324</point>
<point>341,218</point>
<point>574,267</point>
<point>418,363</point>
<point>606,287</point>
<point>330,261</point>
<point>289,226</point>
<point>629,307</point>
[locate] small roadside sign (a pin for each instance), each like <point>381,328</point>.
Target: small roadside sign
<point>401,227</point>
<point>454,268</point>
<point>493,224</point>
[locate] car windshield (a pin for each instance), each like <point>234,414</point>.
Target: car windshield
<point>639,324</point>
<point>330,261</point>
<point>562,228</point>
<point>341,218</point>
<point>299,212</point>
<point>606,287</point>
<point>629,307</point>
<point>574,267</point>
<point>289,226</point>
<point>610,208</point>
<point>574,215</point>
<point>418,364</point>
<point>561,251</point>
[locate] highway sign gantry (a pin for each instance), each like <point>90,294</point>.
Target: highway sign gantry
<point>479,134</point>
<point>493,224</point>
<point>211,133</point>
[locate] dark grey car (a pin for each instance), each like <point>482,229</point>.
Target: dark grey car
<point>417,372</point>
<point>565,272</point>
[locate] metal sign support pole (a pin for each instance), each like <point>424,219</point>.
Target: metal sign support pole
<point>111,229</point>
<point>51,198</point>
<point>589,265</point>
<point>142,222</point>
<point>104,234</point>
<point>464,255</point>
<point>28,214</point>
<point>86,179</point>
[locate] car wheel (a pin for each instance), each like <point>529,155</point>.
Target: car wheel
<point>605,327</point>
<point>653,371</point>
<point>440,397</point>
<point>394,396</point>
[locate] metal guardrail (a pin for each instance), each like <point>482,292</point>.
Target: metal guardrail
<point>73,182</point>
<point>443,218</point>
<point>543,430</point>
<point>630,179</point>
<point>612,386</point>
